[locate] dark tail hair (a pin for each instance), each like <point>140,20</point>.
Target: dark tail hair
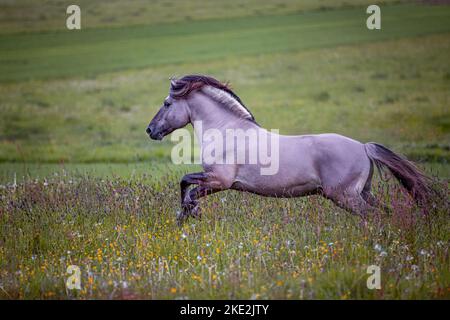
<point>412,178</point>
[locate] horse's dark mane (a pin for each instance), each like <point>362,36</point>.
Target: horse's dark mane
<point>182,87</point>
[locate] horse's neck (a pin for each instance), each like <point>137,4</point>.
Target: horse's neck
<point>215,116</point>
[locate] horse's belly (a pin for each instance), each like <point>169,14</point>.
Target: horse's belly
<point>295,177</point>
<point>274,190</point>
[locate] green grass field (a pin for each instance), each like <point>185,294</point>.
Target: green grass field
<point>81,183</point>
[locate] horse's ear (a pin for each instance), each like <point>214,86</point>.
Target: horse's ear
<point>173,82</point>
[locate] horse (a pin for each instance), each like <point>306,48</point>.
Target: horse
<point>334,166</point>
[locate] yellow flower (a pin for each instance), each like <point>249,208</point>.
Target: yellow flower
<point>173,290</point>
<point>218,250</point>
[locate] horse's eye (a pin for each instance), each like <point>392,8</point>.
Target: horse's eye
<point>166,104</point>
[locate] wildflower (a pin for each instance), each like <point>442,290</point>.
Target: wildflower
<point>199,258</point>
<point>184,235</point>
<point>218,250</point>
<point>409,258</point>
<point>423,252</point>
<point>196,277</point>
<point>383,254</point>
<point>173,290</point>
<point>378,247</point>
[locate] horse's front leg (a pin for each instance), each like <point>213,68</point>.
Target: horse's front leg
<point>189,200</point>
<point>191,204</point>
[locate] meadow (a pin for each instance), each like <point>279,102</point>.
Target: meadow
<point>123,235</point>
<point>81,183</point>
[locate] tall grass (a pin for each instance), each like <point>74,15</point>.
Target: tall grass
<point>123,235</point>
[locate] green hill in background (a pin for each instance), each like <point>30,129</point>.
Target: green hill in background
<point>87,96</point>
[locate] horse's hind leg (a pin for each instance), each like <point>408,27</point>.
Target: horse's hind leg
<point>367,195</point>
<point>374,202</point>
<point>352,202</point>
<point>349,198</point>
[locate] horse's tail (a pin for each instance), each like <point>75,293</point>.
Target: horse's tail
<point>412,178</point>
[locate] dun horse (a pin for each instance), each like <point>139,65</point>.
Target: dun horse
<point>337,167</point>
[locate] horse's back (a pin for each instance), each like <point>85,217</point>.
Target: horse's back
<point>306,164</point>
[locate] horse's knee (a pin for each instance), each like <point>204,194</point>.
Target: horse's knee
<point>193,178</point>
<point>190,179</point>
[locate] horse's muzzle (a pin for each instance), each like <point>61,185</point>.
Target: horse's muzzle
<point>153,134</point>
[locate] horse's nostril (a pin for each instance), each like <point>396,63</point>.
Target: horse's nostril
<point>148,130</point>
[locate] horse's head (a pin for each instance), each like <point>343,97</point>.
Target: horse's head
<point>173,114</point>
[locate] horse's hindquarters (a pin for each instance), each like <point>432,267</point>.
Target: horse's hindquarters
<point>342,163</point>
